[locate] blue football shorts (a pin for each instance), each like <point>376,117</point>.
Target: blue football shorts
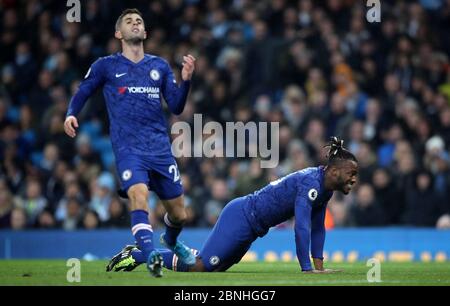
<point>161,177</point>
<point>230,238</point>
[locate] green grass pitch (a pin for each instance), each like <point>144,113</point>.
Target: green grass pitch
<point>53,272</point>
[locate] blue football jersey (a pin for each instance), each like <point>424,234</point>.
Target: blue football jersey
<point>132,92</point>
<point>300,194</point>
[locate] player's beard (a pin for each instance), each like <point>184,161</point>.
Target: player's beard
<point>134,40</point>
<point>341,183</point>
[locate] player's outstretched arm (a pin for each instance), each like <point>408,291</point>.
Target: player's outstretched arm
<point>92,80</point>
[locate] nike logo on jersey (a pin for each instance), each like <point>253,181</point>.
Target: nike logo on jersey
<point>119,75</point>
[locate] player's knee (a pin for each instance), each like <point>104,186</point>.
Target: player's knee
<point>138,198</point>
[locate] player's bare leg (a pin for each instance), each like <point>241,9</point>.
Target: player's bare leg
<point>174,220</point>
<point>142,230</point>
<point>138,195</point>
<point>198,267</point>
<point>175,209</point>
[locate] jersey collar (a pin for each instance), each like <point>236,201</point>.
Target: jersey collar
<point>146,58</point>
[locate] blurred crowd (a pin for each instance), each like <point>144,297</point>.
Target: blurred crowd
<point>319,68</point>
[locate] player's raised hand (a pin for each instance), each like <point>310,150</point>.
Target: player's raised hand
<point>188,67</point>
<point>69,126</point>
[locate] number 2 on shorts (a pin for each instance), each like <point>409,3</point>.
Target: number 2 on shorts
<point>176,174</point>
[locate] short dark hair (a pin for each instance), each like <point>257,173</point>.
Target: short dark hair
<point>337,152</point>
<point>126,12</point>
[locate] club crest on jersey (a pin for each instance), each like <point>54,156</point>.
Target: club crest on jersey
<point>126,175</point>
<point>214,260</point>
<point>154,74</point>
<point>312,194</point>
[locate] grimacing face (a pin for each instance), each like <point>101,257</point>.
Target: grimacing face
<point>346,176</point>
<point>131,29</point>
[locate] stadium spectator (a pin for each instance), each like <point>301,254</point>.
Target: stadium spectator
<point>33,201</point>
<point>74,214</point>
<point>46,220</point>
<point>422,206</point>
<point>102,195</point>
<point>366,211</point>
<point>18,219</point>
<point>72,191</point>
<point>118,215</point>
<point>388,195</point>
<point>54,187</point>
<point>339,211</point>
<point>443,222</point>
<point>219,197</point>
<point>6,205</point>
<point>251,180</point>
<point>367,162</point>
<point>90,221</point>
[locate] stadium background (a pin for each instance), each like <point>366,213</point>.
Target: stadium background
<point>317,67</point>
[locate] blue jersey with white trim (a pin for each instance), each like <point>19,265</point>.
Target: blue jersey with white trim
<point>300,194</point>
<point>132,92</point>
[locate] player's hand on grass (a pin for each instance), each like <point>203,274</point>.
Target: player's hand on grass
<point>331,270</point>
<point>324,271</point>
<point>69,126</point>
<point>188,67</point>
<point>318,263</point>
<point>314,271</point>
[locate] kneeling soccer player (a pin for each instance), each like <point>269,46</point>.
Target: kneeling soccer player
<point>303,194</point>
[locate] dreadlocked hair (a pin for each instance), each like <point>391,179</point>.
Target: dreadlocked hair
<point>337,152</point>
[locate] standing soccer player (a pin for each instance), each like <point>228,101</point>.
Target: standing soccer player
<point>132,86</point>
<point>303,194</point>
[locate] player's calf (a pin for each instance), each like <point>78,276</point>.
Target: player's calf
<point>174,219</point>
<point>140,226</point>
<point>198,267</point>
